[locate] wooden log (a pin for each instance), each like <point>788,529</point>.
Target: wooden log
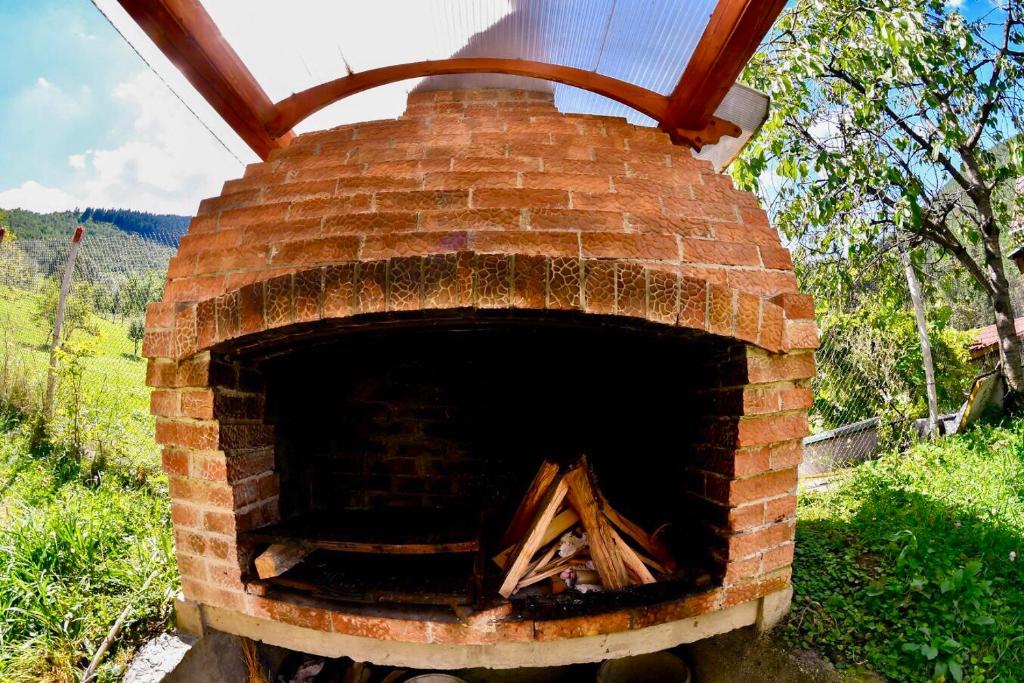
<point>527,509</point>
<point>603,551</point>
<point>542,561</point>
<point>651,545</point>
<point>562,522</point>
<point>531,541</point>
<point>552,570</point>
<point>633,562</point>
<point>279,558</point>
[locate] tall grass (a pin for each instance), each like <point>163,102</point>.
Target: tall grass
<point>76,544</point>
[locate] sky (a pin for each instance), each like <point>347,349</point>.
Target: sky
<point>84,122</point>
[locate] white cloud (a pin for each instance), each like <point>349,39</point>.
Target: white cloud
<point>167,164</point>
<point>35,197</point>
<point>44,84</point>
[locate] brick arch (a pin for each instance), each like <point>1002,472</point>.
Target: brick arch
<point>471,280</point>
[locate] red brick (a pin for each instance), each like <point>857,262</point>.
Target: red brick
<point>762,368</point>
<point>468,179</point>
<point>315,252</point>
<point>240,218</point>
<point>413,244</point>
<point>520,199</point>
<point>531,243</point>
<point>419,200</point>
<point>762,486</point>
<point>766,429</point>
<point>744,545</point>
<point>780,509</point>
<point>200,435</point>
<point>630,245</point>
<point>197,404</point>
<point>797,306</point>
<point>723,253</point>
<point>574,219</point>
<point>175,461</point>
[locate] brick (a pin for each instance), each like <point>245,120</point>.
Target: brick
<point>160,316</point>
<point>413,244</point>
<point>723,253</point>
<point>631,246</point>
<point>574,219</point>
<point>746,544</point>
<point>190,434</point>
<point>797,306</point>
<point>469,179</point>
<point>197,404</point>
<point>471,219</point>
<point>418,200</point>
<point>315,252</point>
<point>520,199</point>
<point>250,309</point>
<point>578,182</point>
<point>765,429</point>
<point>175,461</point>
<point>762,486</point>
<point>762,368</point>
<point>158,345</point>
<point>801,334</point>
<point>263,213</point>
<point>530,243</point>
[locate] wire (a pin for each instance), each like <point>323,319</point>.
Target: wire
<point>169,87</point>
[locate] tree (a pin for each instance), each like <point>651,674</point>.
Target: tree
<point>77,311</point>
<point>894,123</point>
<point>136,332</point>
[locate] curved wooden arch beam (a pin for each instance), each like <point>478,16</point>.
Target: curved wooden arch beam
<point>292,110</point>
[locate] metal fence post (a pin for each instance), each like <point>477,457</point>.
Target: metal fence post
<point>58,323</point>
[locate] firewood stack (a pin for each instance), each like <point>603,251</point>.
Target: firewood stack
<point>565,532</point>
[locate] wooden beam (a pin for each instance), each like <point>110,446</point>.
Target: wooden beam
<point>187,35</point>
<point>294,109</point>
<point>732,36</point>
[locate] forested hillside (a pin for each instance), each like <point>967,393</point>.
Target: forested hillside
<point>166,229</point>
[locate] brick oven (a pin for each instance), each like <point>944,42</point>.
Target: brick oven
<point>383,330</point>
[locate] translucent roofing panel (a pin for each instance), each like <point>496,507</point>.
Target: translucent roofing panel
<point>293,46</point>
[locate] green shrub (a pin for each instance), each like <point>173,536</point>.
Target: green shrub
<point>911,564</point>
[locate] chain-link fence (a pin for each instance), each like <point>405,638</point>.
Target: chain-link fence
<point>101,404</point>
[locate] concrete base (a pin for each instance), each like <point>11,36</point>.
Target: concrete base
<point>762,612</point>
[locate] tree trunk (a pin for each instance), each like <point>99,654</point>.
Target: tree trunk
<point>921,318</point>
<point>1009,344</point>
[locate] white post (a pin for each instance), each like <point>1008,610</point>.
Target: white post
<point>58,322</point>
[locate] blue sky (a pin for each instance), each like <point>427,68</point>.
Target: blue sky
<point>83,121</point>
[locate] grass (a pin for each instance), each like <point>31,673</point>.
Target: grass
<point>107,404</point>
<point>84,515</point>
<point>914,564</point>
<point>76,544</point>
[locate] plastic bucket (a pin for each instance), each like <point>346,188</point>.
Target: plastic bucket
<point>658,667</point>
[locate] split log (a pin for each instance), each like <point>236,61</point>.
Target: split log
<point>650,545</point>
<point>531,541</point>
<point>530,503</point>
<point>559,525</point>
<point>632,561</point>
<point>552,570</point>
<point>279,558</point>
<point>603,551</point>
